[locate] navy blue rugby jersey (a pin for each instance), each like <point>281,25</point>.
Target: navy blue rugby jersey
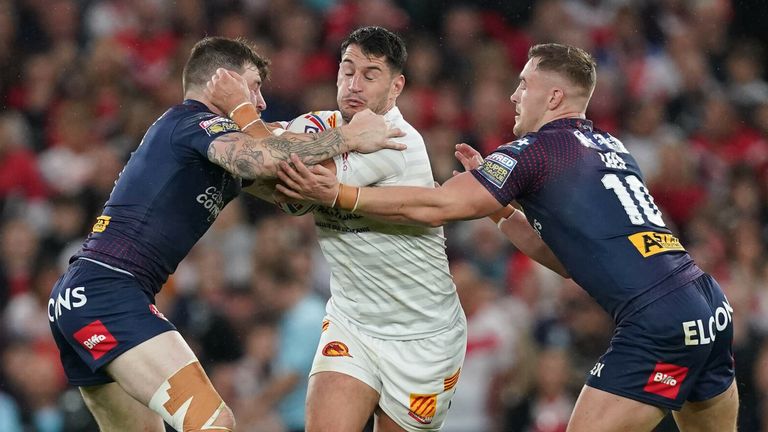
<point>166,197</point>
<point>585,196</point>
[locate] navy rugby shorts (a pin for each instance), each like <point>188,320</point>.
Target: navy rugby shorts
<point>676,349</point>
<point>96,313</point>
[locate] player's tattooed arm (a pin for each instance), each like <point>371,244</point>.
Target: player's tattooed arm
<point>250,158</point>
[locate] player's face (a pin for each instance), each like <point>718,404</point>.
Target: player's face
<point>252,76</point>
<point>365,82</point>
<point>530,99</point>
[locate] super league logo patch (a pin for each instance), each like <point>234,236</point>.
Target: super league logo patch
<point>496,168</point>
<point>218,125</point>
<point>96,339</point>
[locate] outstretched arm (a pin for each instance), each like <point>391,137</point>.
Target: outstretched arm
<point>460,198</point>
<point>512,221</point>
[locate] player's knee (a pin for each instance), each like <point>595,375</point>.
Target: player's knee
<point>188,402</point>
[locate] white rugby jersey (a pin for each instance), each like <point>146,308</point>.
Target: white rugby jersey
<point>391,281</point>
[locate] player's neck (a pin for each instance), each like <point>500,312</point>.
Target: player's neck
<point>564,114</point>
<point>200,97</point>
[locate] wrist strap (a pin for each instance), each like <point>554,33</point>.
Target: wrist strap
<point>501,215</point>
<point>243,114</point>
<point>240,105</point>
<point>347,198</point>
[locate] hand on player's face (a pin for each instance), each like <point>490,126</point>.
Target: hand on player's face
<point>299,182</point>
<point>371,133</point>
<point>470,158</point>
<point>227,89</point>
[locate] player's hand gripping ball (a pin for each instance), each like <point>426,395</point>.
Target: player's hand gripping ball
<point>311,122</point>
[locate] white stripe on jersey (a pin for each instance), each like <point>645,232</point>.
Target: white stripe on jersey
<point>392,281</point>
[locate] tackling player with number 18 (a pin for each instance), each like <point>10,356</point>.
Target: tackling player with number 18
<point>585,196</point>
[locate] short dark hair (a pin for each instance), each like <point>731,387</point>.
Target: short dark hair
<point>573,63</point>
<point>378,41</point>
<point>212,53</point>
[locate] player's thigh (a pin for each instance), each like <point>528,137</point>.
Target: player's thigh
<point>116,410</point>
<point>419,379</point>
<point>163,373</point>
<point>145,367</point>
<point>599,411</point>
<point>338,402</point>
<point>384,423</point>
<point>344,382</point>
<point>718,414</point>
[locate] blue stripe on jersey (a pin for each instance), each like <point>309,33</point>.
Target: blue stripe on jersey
<point>584,194</point>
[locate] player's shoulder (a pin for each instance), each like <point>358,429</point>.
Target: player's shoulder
<point>412,136</point>
<point>520,145</point>
<point>195,117</point>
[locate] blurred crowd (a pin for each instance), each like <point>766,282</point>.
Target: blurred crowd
<point>681,82</point>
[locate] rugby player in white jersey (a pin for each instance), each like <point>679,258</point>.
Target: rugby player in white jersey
<point>394,337</point>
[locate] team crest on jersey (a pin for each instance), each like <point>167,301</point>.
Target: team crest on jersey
<point>218,125</point>
<point>423,407</point>
<point>496,168</point>
<point>101,224</point>
<point>650,243</point>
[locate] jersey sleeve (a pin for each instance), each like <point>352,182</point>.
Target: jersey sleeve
<point>513,170</point>
<point>359,169</point>
<point>196,132</point>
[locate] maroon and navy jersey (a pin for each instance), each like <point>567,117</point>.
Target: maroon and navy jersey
<point>585,196</point>
<point>166,197</point>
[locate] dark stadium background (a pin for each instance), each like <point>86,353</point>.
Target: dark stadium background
<point>681,82</point>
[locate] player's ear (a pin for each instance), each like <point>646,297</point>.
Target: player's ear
<point>556,97</point>
<point>397,85</point>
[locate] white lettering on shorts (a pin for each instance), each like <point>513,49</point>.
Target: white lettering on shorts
<point>703,332</point>
<point>69,299</point>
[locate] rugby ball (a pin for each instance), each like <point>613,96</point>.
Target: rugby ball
<point>311,122</point>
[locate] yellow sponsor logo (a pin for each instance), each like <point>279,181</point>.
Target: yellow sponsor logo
<point>326,324</point>
<point>101,224</point>
<point>650,243</point>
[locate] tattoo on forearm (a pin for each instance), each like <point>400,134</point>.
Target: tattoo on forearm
<point>311,148</point>
<point>245,157</point>
<point>241,160</point>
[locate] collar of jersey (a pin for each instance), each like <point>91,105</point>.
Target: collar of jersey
<point>392,114</point>
<point>565,123</point>
<point>195,103</point>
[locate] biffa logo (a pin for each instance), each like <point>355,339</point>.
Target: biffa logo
<point>96,339</point>
<point>665,380</point>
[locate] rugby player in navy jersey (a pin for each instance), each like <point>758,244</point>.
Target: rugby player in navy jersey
<point>583,195</point>
<point>133,368</point>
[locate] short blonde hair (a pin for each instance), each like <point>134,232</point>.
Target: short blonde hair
<point>574,64</point>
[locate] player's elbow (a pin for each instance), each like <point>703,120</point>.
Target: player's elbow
<point>436,222</point>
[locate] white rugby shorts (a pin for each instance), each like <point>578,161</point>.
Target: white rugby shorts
<point>416,379</point>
